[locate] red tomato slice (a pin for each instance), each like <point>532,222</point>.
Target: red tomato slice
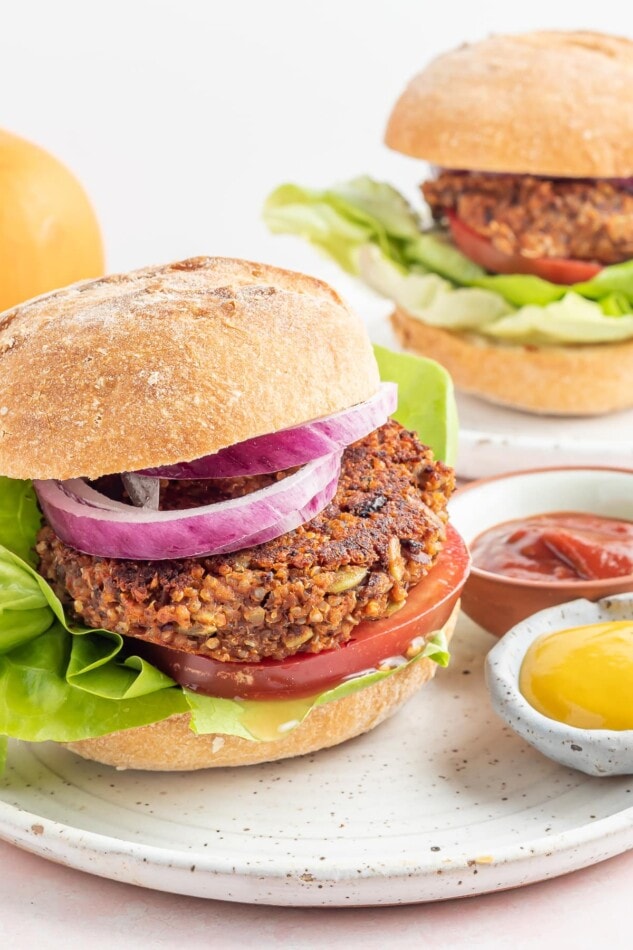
<point>479,249</point>
<point>428,607</point>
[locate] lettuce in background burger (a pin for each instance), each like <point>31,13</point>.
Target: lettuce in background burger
<point>521,281</point>
<point>217,548</point>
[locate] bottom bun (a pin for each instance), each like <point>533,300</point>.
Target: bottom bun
<point>171,746</point>
<point>575,380</point>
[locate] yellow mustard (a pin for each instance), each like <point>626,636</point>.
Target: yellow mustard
<point>582,676</point>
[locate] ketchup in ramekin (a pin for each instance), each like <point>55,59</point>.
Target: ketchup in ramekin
<point>557,546</point>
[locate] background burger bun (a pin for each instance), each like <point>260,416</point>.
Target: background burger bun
<point>581,380</point>
<point>172,746</point>
<point>545,103</point>
<point>170,363</point>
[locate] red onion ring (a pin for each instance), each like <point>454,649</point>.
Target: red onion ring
<point>93,523</point>
<point>289,447</point>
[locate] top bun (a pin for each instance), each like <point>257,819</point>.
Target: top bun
<point>547,103</point>
<point>171,363</point>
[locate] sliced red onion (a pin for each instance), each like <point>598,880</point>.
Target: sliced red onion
<point>290,447</point>
<point>91,522</point>
<point>625,183</point>
<point>144,491</point>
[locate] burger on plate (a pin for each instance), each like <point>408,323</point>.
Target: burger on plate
<point>520,279</point>
<point>217,546</point>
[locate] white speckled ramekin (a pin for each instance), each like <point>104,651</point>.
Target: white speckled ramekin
<point>594,751</point>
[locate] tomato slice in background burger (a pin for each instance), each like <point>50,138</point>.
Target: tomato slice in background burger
<point>558,270</point>
<point>428,607</point>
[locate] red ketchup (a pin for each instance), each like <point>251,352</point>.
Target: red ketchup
<point>558,546</point>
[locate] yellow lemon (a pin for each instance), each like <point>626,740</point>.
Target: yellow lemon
<point>49,235</point>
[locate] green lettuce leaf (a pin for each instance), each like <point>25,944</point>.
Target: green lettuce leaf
<point>571,319</point>
<point>342,220</point>
<point>430,296</point>
<point>522,289</point>
<point>617,279</point>
<point>371,230</point>
<point>37,701</point>
<point>426,399</point>
<point>24,610</point>
<point>19,518</point>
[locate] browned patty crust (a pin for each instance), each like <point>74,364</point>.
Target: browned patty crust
<point>540,217</point>
<point>302,592</point>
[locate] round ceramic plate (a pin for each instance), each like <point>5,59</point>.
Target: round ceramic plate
<point>441,801</point>
<point>493,439</point>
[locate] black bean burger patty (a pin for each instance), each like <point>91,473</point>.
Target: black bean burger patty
<point>540,217</point>
<point>302,592</point>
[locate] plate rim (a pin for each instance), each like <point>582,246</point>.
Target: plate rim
<point>21,821</point>
<point>475,437</point>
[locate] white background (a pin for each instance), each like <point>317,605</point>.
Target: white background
<point>179,117</point>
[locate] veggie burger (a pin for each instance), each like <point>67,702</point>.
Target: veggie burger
<point>217,546</point>
<point>520,279</point>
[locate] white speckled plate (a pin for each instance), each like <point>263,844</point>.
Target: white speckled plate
<point>441,801</point>
<point>493,440</point>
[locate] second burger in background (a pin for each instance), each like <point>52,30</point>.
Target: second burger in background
<point>522,283</point>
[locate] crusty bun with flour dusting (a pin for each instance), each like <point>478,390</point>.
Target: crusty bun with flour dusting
<point>171,363</point>
<point>546,103</point>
